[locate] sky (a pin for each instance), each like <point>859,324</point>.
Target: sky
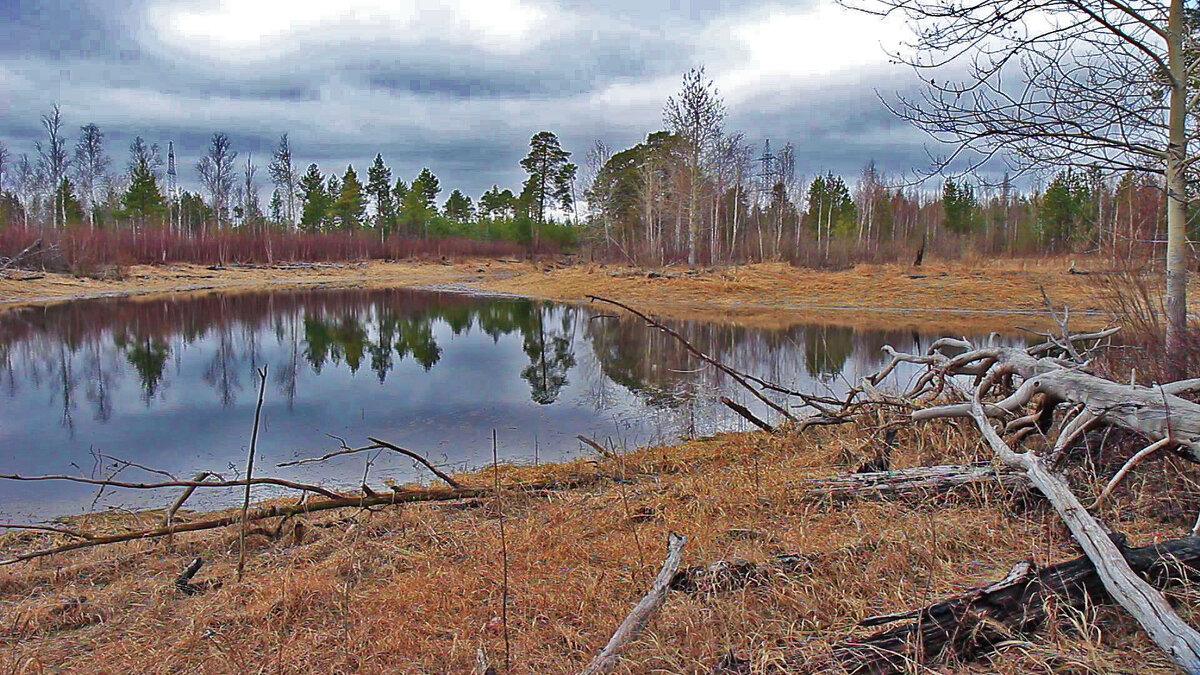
<point>458,86</point>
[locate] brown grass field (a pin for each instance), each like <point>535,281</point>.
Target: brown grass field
<point>418,588</point>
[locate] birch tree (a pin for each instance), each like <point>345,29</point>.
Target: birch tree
<point>91,167</point>
<point>53,161</point>
<point>217,174</point>
<point>696,115</point>
<point>1054,83</point>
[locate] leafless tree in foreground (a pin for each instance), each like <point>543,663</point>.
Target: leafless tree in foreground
<point>1098,83</point>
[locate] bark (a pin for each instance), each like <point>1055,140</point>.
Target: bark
<point>1177,270</point>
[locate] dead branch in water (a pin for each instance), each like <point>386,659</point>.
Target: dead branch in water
<point>738,376</point>
<point>412,455</point>
<point>376,444</point>
<point>745,412</point>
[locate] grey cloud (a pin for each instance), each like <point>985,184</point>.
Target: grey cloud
<point>464,112</point>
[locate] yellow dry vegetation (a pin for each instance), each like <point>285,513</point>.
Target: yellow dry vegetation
<point>418,588</point>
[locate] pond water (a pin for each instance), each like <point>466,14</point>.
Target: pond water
<point>170,383</point>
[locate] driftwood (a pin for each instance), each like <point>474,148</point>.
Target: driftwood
<point>632,626</point>
<point>916,481</point>
<point>970,625</point>
<point>1056,369</point>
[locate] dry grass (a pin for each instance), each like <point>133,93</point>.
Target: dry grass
<point>963,296</point>
<point>416,589</point>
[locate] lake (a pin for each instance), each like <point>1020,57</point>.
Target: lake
<point>170,383</point>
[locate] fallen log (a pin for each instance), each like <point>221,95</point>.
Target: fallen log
<point>915,481</point>
<point>1145,604</point>
<point>972,624</point>
<point>396,496</point>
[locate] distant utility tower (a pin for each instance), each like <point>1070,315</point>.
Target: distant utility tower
<point>766,175</point>
<point>173,212</point>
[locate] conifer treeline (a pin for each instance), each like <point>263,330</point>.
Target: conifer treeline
<point>695,192</point>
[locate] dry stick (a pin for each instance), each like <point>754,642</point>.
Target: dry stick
<point>1133,461</point>
<point>745,412</point>
<point>604,452</point>
<point>179,483</point>
<point>397,496</point>
<point>409,453</point>
<point>241,566</point>
<point>503,553</point>
<point>47,528</point>
<point>169,516</point>
<point>739,377</point>
<point>1145,603</point>
<point>632,626</point>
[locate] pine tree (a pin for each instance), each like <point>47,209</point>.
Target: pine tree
<point>143,199</point>
<point>960,207</point>
<point>458,207</point>
<point>316,199</point>
<point>426,184</point>
<point>546,165</point>
<point>278,216</point>
<point>351,206</point>
<point>379,179</point>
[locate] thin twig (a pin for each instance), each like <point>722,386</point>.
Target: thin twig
<point>503,553</point>
<point>241,566</point>
<point>409,453</point>
<point>48,528</point>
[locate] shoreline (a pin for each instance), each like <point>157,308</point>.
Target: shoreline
<point>951,296</point>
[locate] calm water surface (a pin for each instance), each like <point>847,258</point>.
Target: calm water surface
<point>170,384</point>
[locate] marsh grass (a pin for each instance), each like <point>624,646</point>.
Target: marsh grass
<point>418,589</point>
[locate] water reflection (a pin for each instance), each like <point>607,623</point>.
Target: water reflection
<point>170,382</point>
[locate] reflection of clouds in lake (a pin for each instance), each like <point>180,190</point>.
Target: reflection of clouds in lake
<point>166,382</point>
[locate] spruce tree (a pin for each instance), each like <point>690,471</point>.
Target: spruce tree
<point>351,204</point>
<point>379,179</point>
<point>316,200</point>
<point>143,199</point>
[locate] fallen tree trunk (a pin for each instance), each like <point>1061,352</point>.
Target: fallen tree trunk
<point>396,496</point>
<point>915,481</point>
<point>970,625</point>
<point>1140,599</point>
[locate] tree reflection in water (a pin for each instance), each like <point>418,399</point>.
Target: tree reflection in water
<point>383,328</point>
<point>437,370</point>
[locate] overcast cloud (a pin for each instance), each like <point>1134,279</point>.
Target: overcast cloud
<point>455,85</point>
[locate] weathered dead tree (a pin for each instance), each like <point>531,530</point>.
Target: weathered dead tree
<point>970,625</point>
<point>1057,370</point>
